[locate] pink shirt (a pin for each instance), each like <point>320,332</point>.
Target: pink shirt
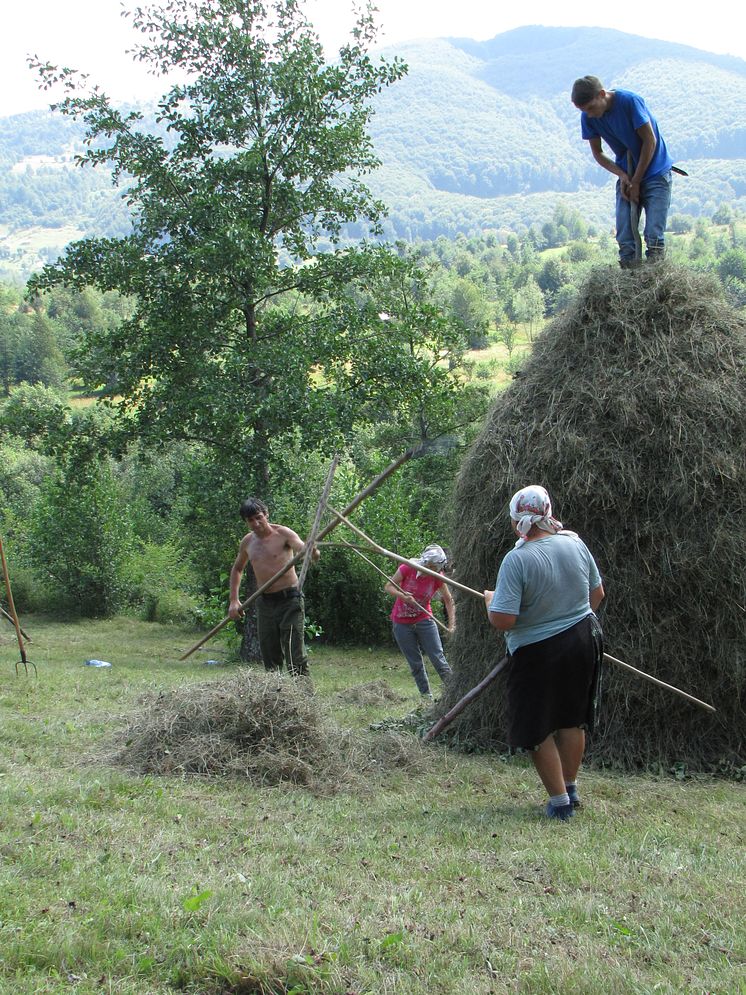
<point>422,587</point>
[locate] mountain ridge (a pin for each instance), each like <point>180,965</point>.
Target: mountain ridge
<point>480,135</point>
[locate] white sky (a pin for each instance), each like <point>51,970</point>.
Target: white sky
<point>90,35</point>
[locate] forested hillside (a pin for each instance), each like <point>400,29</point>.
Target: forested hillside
<point>478,136</point>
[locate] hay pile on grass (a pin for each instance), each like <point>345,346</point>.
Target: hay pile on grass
<point>631,412</point>
<point>372,693</point>
<point>268,728</point>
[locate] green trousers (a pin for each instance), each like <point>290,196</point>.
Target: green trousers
<point>280,627</point>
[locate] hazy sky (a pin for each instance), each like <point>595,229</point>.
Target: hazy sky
<point>92,36</point>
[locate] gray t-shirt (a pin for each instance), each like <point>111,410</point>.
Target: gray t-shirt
<point>546,583</point>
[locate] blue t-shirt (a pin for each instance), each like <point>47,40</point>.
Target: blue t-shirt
<point>618,128</point>
<point>546,583</point>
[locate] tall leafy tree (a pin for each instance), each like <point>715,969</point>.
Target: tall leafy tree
<point>253,317</point>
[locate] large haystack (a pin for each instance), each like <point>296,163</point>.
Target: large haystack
<point>631,412</point>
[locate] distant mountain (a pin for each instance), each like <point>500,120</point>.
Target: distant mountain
<point>478,136</point>
<point>483,134</point>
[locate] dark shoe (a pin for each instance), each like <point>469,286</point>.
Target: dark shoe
<point>563,812</point>
<point>572,791</point>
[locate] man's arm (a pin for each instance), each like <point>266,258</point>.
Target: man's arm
<point>603,160</point>
<point>239,565</point>
<point>295,542</point>
<point>647,136</point>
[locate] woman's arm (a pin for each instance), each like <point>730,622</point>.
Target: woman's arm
<point>501,621</point>
<point>596,596</point>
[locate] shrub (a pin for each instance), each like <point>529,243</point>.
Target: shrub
<point>80,538</point>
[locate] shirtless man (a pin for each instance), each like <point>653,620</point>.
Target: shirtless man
<point>280,609</point>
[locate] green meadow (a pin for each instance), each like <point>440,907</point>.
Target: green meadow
<point>442,878</point>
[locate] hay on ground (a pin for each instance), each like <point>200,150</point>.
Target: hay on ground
<point>268,728</point>
<point>372,693</point>
<point>631,412</point>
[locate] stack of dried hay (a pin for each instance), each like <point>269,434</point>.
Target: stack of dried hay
<point>268,728</point>
<point>631,412</point>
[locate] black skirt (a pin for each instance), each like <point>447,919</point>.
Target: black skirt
<point>555,684</point>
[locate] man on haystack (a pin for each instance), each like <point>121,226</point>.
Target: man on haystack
<point>280,614</point>
<point>641,162</point>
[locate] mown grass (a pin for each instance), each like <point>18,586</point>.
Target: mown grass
<point>443,882</point>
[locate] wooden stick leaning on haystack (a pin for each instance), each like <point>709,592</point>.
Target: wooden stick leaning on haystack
<point>14,614</point>
<point>470,590</point>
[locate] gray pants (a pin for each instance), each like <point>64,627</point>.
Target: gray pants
<point>280,627</point>
<point>414,640</point>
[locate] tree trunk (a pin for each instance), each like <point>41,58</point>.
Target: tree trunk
<point>249,651</point>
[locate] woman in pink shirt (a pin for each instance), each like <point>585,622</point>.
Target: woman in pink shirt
<point>414,628</point>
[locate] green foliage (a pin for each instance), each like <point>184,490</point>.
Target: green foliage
<point>250,320</point>
<point>33,413</point>
<point>158,579</point>
<point>22,471</point>
<point>28,348</point>
<point>79,535</point>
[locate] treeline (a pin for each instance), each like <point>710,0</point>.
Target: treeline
<point>493,288</point>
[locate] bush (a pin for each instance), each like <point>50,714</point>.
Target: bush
<point>156,575</point>
<point>175,608</point>
<point>80,538</point>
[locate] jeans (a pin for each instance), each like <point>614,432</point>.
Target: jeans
<point>414,640</point>
<point>655,199</point>
<point>281,631</point>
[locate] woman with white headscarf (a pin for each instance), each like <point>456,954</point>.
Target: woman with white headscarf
<point>415,631</point>
<point>548,588</point>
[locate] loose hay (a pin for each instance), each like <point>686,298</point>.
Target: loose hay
<point>264,727</point>
<point>372,693</point>
<point>631,412</point>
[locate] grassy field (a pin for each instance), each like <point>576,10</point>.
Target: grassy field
<point>443,881</point>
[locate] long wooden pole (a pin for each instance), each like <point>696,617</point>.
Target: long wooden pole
<point>480,595</point>
<point>450,715</point>
<point>662,684</point>
<point>311,540</point>
<point>399,589</point>
<point>10,618</point>
<point>357,500</point>
<point>342,516</point>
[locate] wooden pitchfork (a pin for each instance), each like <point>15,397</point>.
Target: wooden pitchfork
<point>24,660</point>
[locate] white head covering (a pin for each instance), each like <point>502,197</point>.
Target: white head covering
<point>432,554</point>
<point>532,506</point>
